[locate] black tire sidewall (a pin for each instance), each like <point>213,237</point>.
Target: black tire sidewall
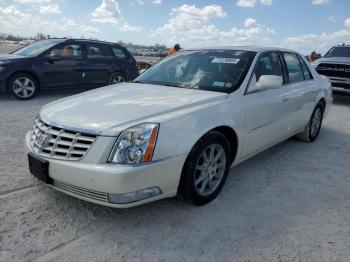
<point>187,187</point>
<point>313,138</point>
<point>114,75</point>
<point>14,78</point>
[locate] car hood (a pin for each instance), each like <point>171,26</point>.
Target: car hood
<point>123,105</point>
<point>333,60</point>
<point>8,57</point>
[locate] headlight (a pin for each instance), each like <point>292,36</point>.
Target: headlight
<point>2,65</point>
<point>135,145</point>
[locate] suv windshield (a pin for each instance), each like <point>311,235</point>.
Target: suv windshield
<point>339,51</point>
<point>212,70</point>
<point>37,48</point>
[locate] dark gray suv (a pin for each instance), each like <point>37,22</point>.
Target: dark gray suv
<point>64,64</point>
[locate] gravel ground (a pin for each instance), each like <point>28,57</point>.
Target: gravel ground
<point>290,203</point>
<point>6,48</point>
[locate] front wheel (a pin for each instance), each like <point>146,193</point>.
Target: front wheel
<point>23,86</point>
<point>313,127</point>
<point>206,169</point>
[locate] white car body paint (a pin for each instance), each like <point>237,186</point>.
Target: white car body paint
<point>259,119</point>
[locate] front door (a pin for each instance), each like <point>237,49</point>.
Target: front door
<point>268,115</point>
<point>63,67</point>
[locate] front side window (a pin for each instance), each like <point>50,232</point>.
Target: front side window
<point>268,64</point>
<point>98,51</point>
<point>295,72</point>
<point>37,48</point>
<point>67,51</point>
<point>212,70</point>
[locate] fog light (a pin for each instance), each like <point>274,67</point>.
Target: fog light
<point>134,196</point>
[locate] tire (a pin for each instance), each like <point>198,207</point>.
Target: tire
<point>313,127</point>
<point>210,175</point>
<point>23,86</point>
<point>117,78</point>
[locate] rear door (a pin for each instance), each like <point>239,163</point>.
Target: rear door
<point>100,64</point>
<point>125,62</point>
<point>63,66</point>
<point>302,89</point>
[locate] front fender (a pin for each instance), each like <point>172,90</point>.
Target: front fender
<point>177,136</point>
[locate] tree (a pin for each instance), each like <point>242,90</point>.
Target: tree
<point>40,36</point>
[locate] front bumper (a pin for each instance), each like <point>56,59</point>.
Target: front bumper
<point>340,84</point>
<point>94,182</point>
<point>2,82</point>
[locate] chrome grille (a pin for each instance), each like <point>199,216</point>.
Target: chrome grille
<point>59,143</point>
<point>88,193</point>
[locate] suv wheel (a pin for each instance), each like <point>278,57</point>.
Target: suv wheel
<point>116,79</point>
<point>206,169</point>
<point>23,86</point>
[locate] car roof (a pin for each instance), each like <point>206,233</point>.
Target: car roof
<point>84,40</point>
<point>246,48</point>
<point>342,45</point>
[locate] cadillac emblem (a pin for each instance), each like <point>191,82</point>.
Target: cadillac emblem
<point>42,140</point>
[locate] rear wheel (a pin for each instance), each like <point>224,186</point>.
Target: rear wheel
<point>23,86</point>
<point>206,169</point>
<point>116,79</point>
<point>313,127</point>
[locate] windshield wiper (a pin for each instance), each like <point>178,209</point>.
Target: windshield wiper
<point>162,84</point>
<point>139,82</point>
<point>178,85</point>
<point>173,85</point>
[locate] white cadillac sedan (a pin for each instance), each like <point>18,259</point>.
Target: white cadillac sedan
<point>179,127</point>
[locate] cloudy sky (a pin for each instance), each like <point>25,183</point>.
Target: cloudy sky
<point>305,25</point>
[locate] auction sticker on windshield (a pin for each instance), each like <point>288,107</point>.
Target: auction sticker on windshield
<point>219,84</point>
<point>225,60</point>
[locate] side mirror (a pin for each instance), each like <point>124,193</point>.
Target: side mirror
<point>269,82</point>
<point>265,82</point>
<point>52,57</point>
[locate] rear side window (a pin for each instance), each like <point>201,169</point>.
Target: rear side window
<point>295,72</point>
<point>98,51</point>
<point>306,70</point>
<point>119,53</point>
<point>269,64</point>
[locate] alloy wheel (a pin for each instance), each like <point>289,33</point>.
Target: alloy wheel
<point>210,169</point>
<point>316,122</point>
<point>23,87</point>
<point>117,79</point>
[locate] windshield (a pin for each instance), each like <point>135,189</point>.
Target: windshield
<point>339,51</point>
<point>211,70</point>
<point>37,48</point>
